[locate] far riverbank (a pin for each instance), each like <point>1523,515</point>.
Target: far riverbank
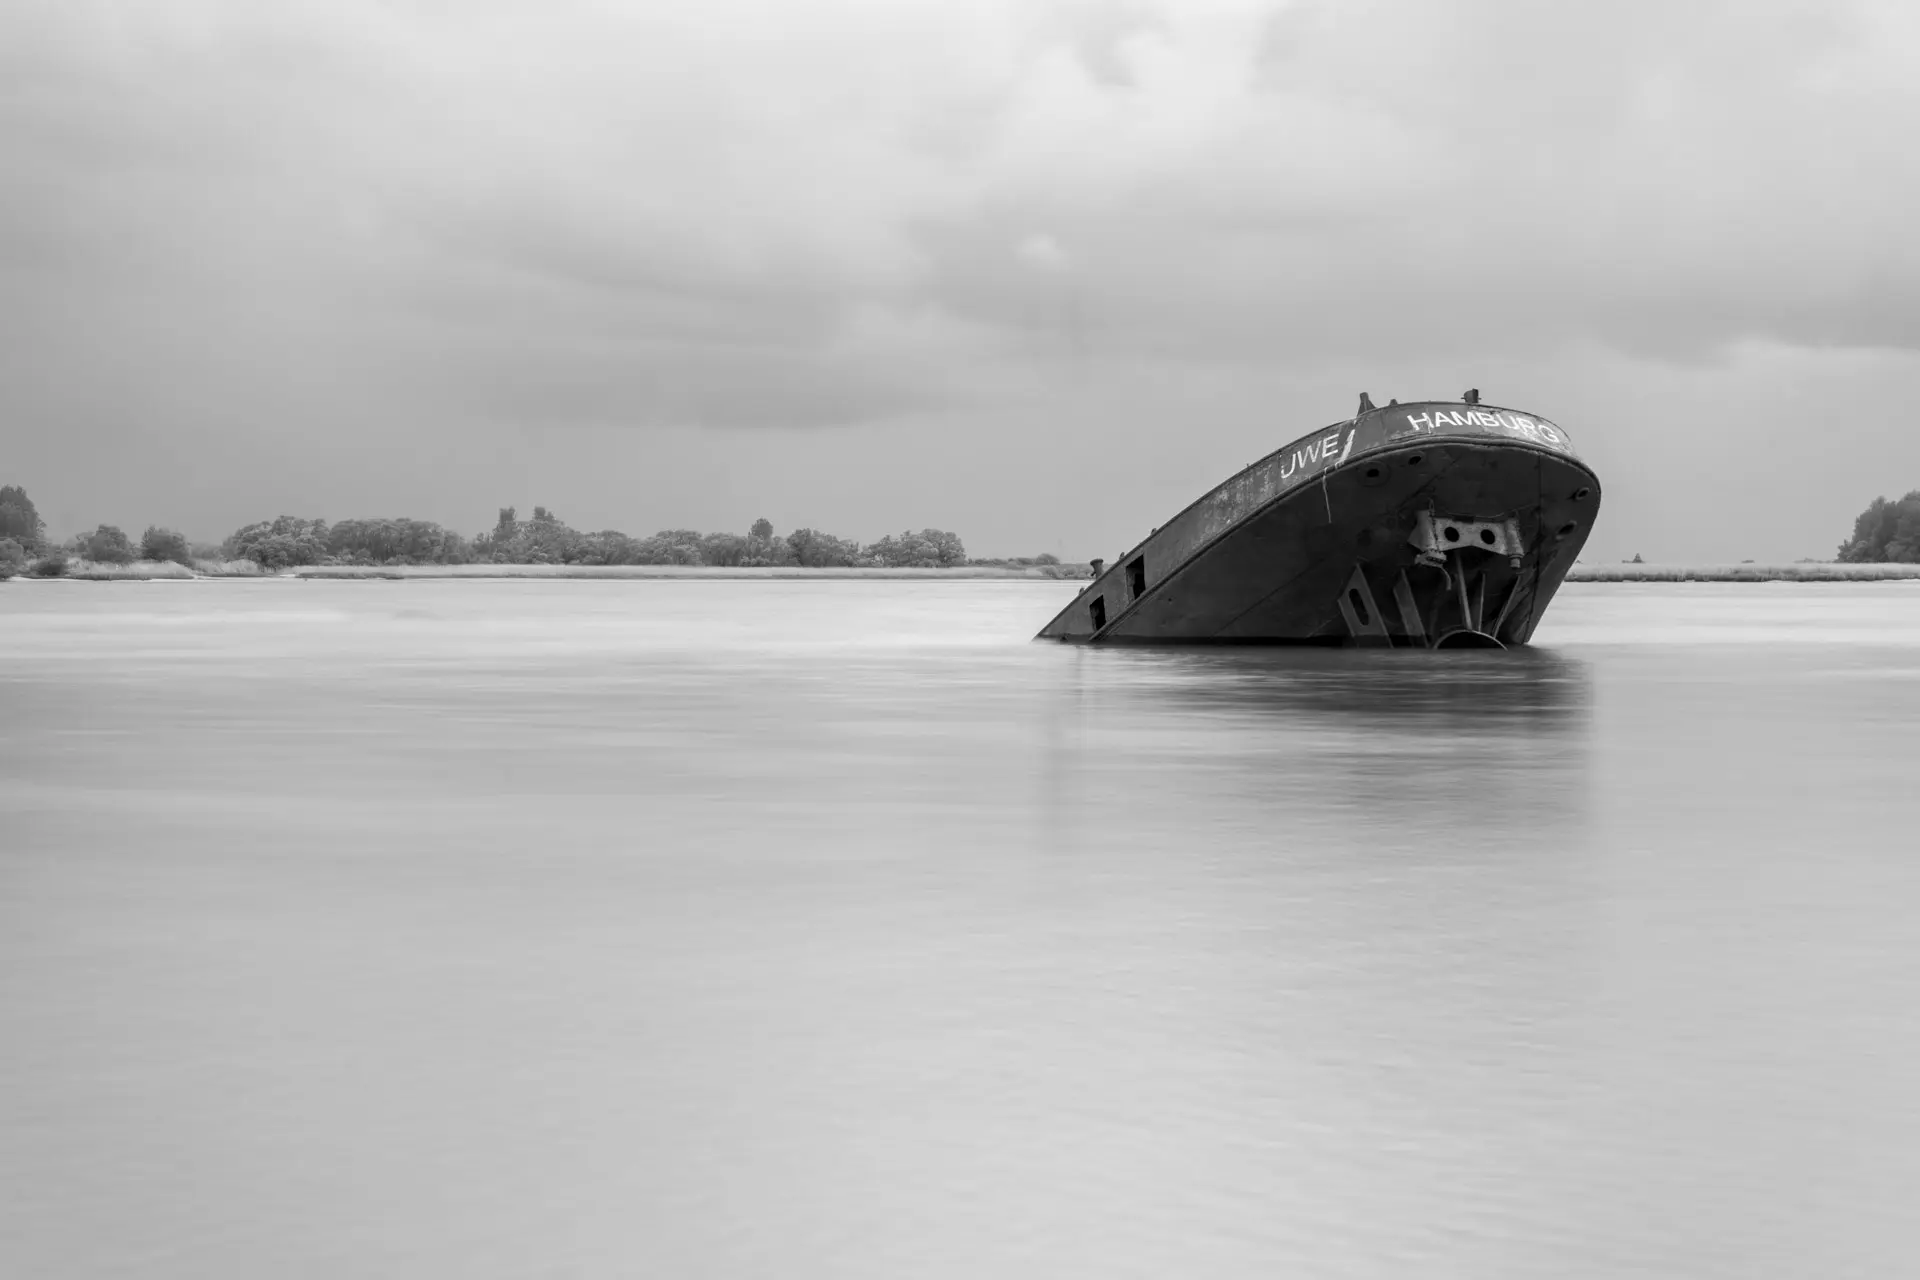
<point>1821,572</point>
<point>1035,573</point>
<point>144,571</point>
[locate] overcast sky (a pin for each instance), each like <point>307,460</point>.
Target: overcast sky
<point>1036,272</point>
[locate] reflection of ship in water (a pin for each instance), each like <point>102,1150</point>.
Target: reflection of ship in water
<point>1489,749</point>
<point>1431,525</point>
<point>1531,693</point>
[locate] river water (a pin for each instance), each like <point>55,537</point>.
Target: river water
<point>831,929</point>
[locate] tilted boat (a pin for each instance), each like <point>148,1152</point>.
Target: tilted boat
<point>1439,524</point>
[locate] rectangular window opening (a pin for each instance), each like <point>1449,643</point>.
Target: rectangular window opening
<point>1137,576</point>
<point>1099,610</point>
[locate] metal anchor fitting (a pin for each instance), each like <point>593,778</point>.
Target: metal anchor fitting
<point>1434,536</point>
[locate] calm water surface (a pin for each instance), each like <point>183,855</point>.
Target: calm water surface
<point>538,929</point>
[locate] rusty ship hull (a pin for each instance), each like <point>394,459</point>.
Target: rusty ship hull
<point>1440,524</point>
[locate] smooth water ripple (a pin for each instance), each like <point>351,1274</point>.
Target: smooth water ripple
<point>832,929</point>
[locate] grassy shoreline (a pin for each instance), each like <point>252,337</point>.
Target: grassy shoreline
<point>152,571</point>
<point>660,571</point>
<point>1822,572</point>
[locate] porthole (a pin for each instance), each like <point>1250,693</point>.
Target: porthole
<point>1582,493</point>
<point>1568,527</point>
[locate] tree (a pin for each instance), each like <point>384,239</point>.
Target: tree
<point>670,546</point>
<point>817,550</point>
<point>723,549</point>
<point>763,548</point>
<point>1885,531</point>
<point>106,545</point>
<point>927,549</point>
<point>18,519</point>
<point>396,541</point>
<point>607,546</point>
<point>164,544</point>
<point>287,540</point>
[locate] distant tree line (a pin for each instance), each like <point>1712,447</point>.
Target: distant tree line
<point>547,539</point>
<point>291,541</point>
<point>1885,532</point>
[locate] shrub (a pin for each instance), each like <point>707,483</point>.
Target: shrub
<point>164,544</point>
<point>12,554</point>
<point>51,565</point>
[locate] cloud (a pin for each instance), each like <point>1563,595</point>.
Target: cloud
<point>1480,177</point>
<point>1042,253</point>
<point>443,219</point>
<point>742,191</point>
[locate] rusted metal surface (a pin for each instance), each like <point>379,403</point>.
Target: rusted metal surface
<point>1434,536</point>
<point>1303,544</point>
<point>1362,616</point>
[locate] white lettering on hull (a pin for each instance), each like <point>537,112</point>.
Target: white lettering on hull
<point>1514,424</point>
<point>1313,451</point>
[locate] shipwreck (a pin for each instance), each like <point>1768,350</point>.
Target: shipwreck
<point>1435,525</point>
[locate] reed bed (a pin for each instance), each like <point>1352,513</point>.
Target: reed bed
<point>138,571</point>
<point>75,569</point>
<point>1743,572</point>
